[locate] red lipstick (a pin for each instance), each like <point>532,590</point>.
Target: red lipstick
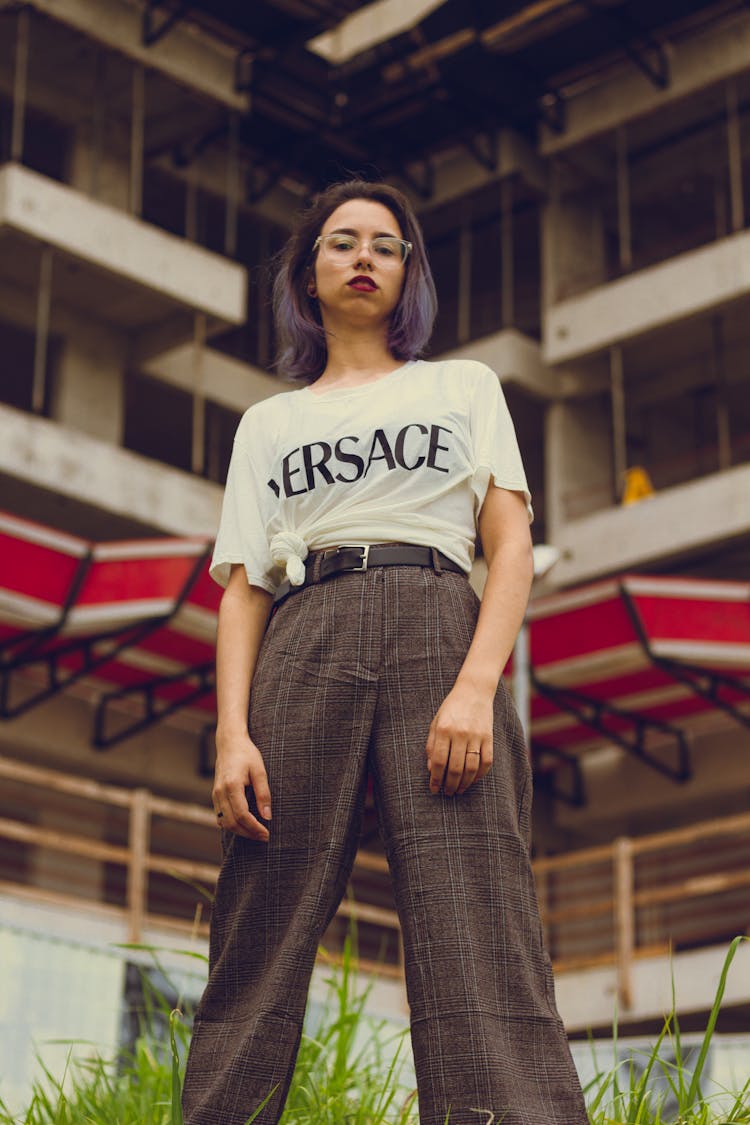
<point>362,284</point>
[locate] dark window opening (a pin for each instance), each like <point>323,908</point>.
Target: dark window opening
<point>159,421</point>
<point>221,424</point>
<point>17,348</point>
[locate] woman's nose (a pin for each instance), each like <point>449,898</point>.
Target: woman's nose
<point>364,254</point>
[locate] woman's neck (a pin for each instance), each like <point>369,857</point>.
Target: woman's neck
<point>357,357</point>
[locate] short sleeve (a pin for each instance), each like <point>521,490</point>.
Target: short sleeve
<point>496,452</point>
<point>242,534</point>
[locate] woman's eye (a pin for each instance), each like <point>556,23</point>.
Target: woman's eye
<point>343,244</point>
<point>386,249</point>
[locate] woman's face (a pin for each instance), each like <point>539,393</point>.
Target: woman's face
<point>363,286</point>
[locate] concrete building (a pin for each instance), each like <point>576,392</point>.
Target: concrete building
<point>583,176</point>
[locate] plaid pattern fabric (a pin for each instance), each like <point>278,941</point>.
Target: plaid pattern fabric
<point>349,677</point>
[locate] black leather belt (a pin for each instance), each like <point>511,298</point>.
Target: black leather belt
<point>338,560</point>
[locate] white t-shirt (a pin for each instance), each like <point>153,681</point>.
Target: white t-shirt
<point>407,458</point>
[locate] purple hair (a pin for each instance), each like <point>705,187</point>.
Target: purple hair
<point>303,351</point>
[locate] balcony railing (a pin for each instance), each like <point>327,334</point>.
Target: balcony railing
<point>602,906</point>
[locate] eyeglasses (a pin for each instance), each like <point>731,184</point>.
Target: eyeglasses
<point>343,249</point>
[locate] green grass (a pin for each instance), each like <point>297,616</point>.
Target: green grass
<point>350,1072</point>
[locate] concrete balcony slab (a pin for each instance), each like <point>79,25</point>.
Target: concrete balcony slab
<point>514,358</point>
<point>233,383</point>
<point>75,466</point>
<point>670,524</point>
<point>118,268</point>
<point>682,287</point>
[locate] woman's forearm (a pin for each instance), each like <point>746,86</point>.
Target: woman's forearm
<point>506,594</point>
<point>243,616</point>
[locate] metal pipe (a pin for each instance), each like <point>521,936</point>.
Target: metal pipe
<point>734,145</point>
<point>507,295</point>
<point>41,337</point>
<point>20,81</point>
<point>623,201</point>
<point>136,139</point>
<point>619,432</point>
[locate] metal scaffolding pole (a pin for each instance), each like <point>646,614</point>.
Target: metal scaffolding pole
<point>464,283</point>
<point>263,310</point>
<point>508,266</point>
<point>136,139</point>
<point>233,186</point>
<point>20,77</point>
<point>619,432</point>
<point>198,457</point>
<point>191,207</point>
<point>623,201</point>
<point>550,247</point>
<point>718,360</point>
<point>734,144</point>
<point>41,338</point>
<point>97,123</point>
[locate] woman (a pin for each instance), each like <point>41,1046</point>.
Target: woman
<point>351,510</point>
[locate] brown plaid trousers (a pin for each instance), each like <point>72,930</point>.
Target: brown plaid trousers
<point>350,675</point>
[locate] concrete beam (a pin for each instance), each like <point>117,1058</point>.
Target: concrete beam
<point>671,524</point>
<point>92,471</point>
<point>122,246</point>
<point>514,358</point>
<point>187,54</point>
<point>368,26</point>
<point>233,383</point>
<point>661,295</point>
<point>704,59</point>
<point>457,173</point>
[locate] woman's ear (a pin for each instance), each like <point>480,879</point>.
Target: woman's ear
<point>312,289</point>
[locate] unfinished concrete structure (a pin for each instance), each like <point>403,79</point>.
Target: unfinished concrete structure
<point>586,210</point>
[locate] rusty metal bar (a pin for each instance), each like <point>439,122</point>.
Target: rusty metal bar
<point>41,337</point>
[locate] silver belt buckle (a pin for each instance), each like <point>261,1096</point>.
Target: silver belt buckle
<point>356,547</point>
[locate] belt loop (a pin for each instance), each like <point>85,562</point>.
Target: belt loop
<point>315,564</point>
<point>436,560</point>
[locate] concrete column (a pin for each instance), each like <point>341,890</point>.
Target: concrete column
<point>578,467</point>
<point>573,247</point>
<point>88,387</point>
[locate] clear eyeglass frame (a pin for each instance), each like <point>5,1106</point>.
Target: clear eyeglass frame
<point>343,249</point>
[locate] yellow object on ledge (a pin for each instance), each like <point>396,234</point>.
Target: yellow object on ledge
<point>637,485</point>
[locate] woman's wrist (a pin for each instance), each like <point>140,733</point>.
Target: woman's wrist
<point>481,681</point>
<point>228,733</point>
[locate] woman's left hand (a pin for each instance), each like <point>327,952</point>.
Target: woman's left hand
<point>459,743</point>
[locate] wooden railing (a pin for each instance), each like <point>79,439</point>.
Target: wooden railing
<point>607,905</point>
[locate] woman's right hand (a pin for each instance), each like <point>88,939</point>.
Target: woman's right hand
<point>239,763</point>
